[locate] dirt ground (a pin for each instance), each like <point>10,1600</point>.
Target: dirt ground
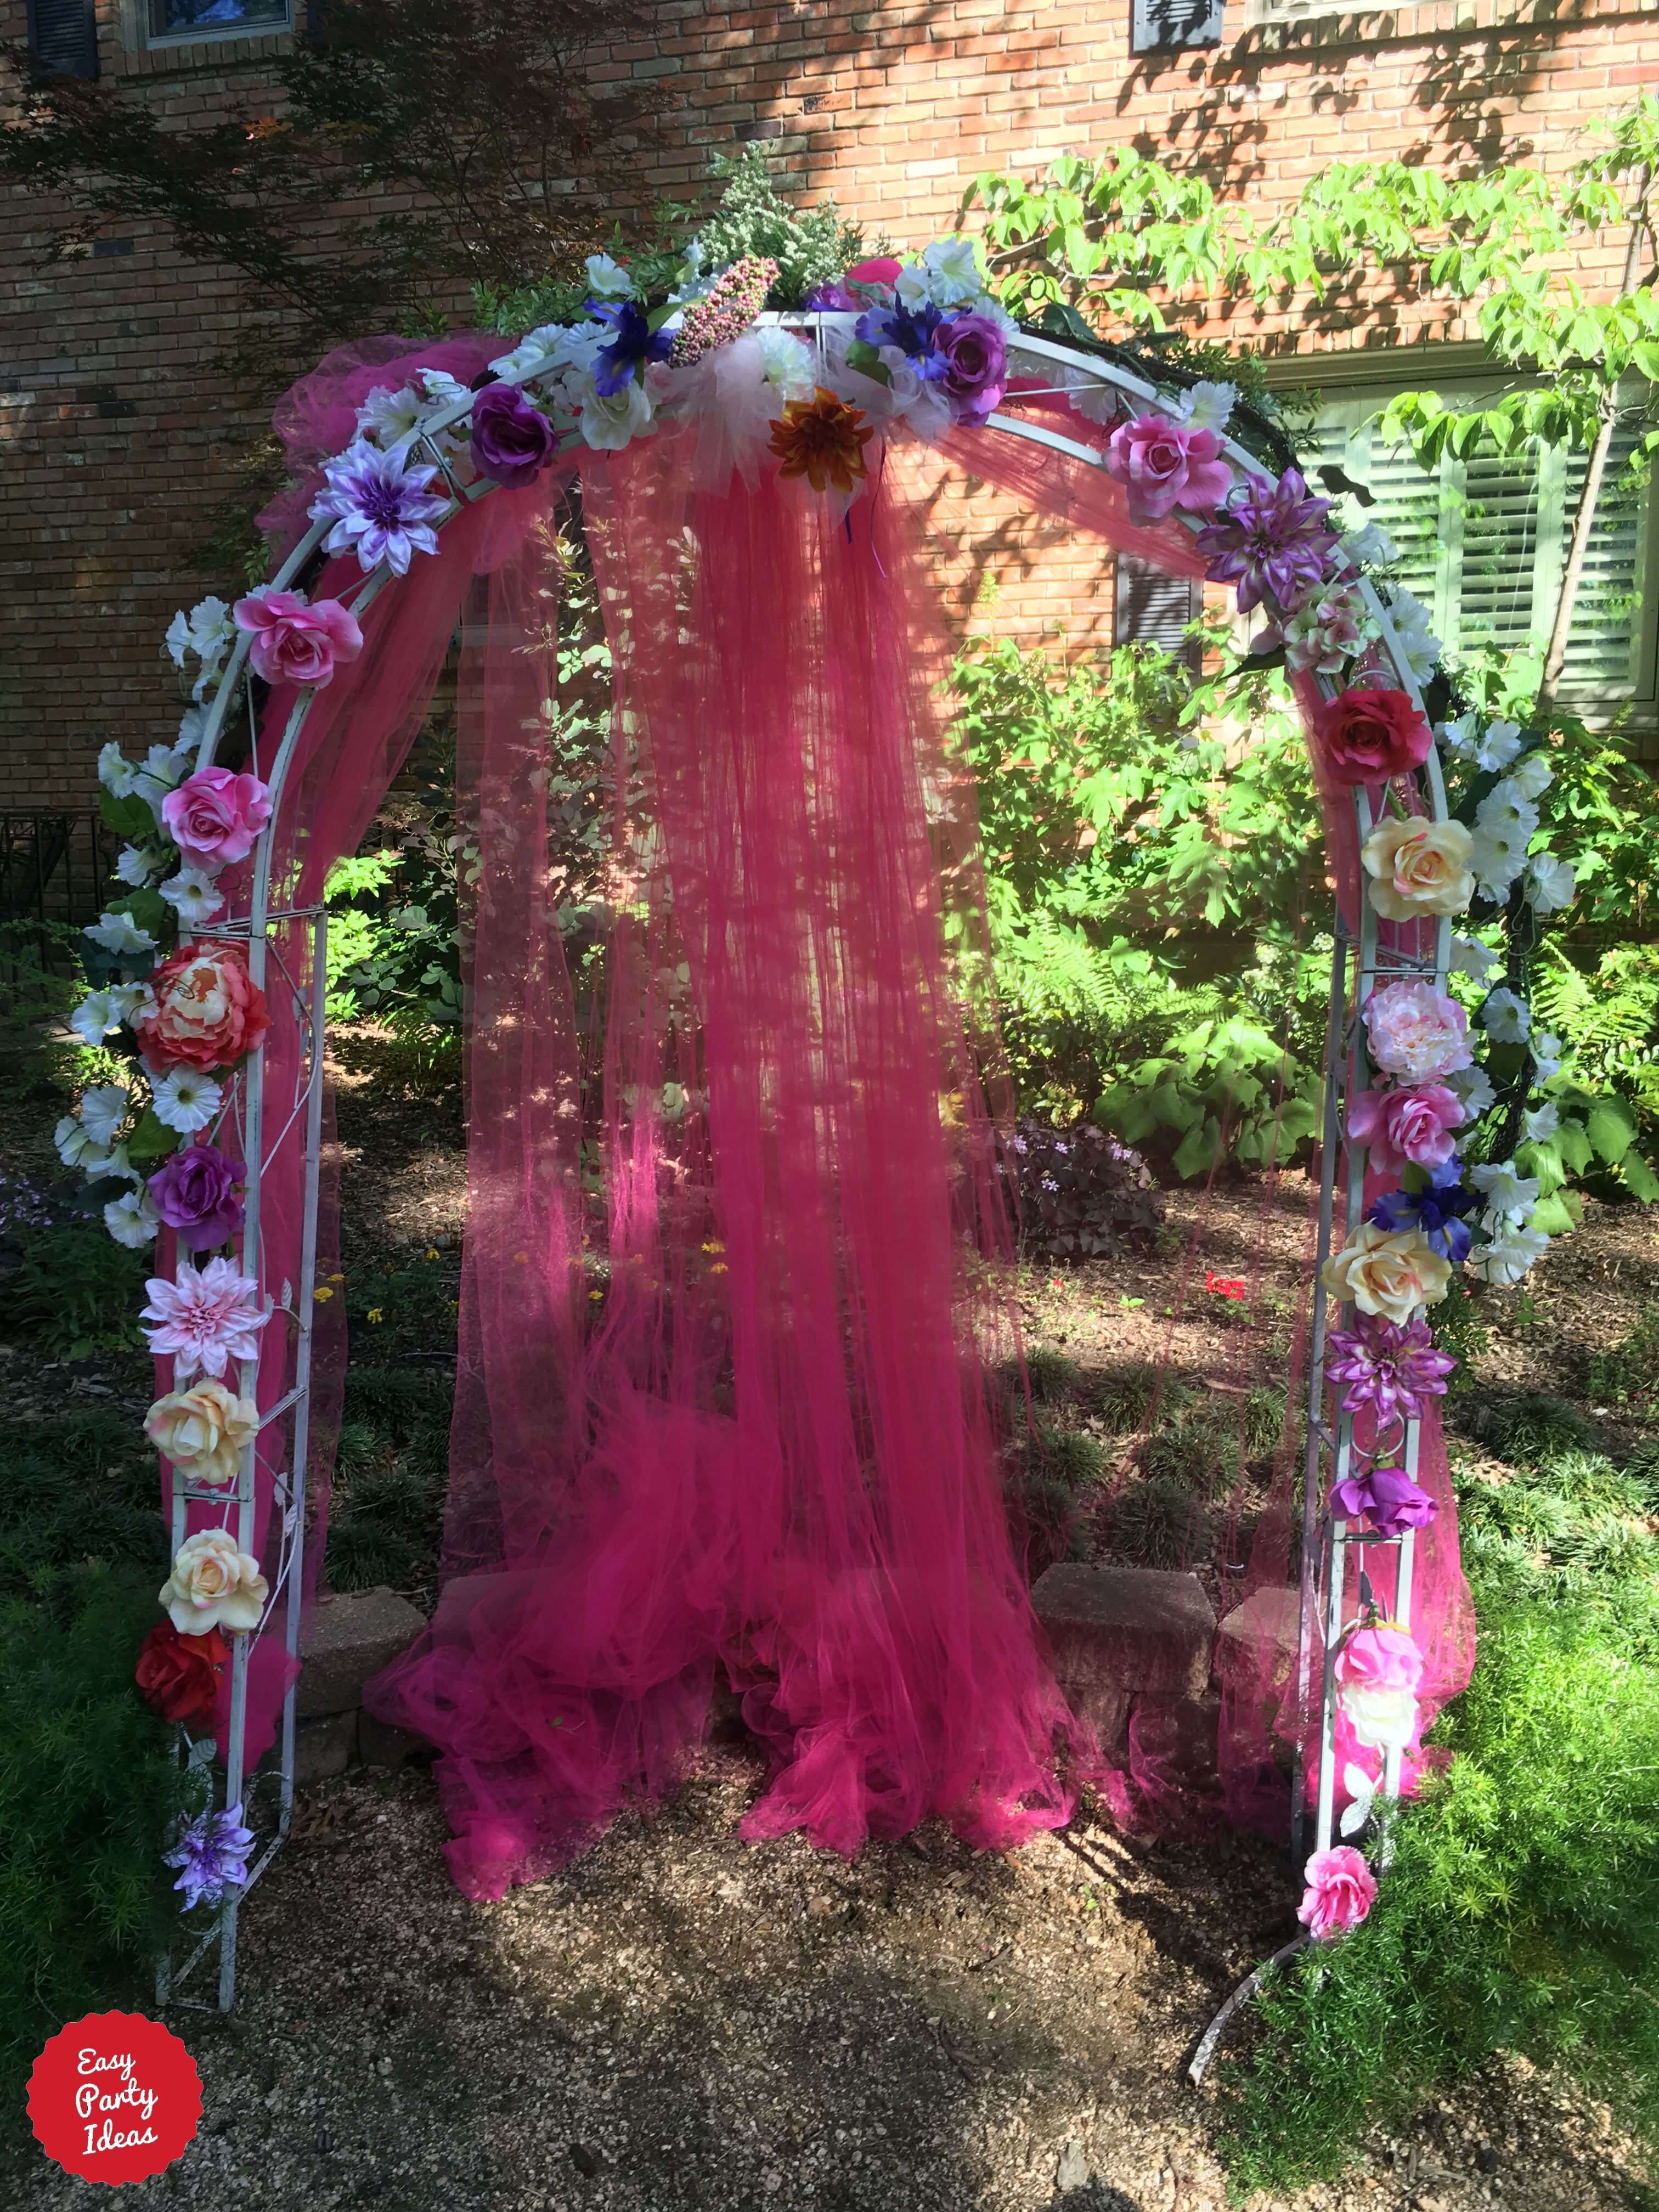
<point>682,2021</point>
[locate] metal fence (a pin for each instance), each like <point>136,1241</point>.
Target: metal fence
<point>54,867</point>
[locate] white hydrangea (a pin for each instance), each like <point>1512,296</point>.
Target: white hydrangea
<point>790,364</point>
<point>1506,1018</point>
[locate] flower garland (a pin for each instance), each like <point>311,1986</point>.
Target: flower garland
<point>929,349</point>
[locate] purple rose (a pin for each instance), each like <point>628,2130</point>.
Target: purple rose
<point>975,355</point>
<point>832,298</point>
<point>1388,1496</point>
<point>512,442</point>
<point>197,1192</point>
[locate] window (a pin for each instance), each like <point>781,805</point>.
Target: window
<point>205,19</point>
<point>62,38</point>
<point>1154,609</point>
<point>1483,543</point>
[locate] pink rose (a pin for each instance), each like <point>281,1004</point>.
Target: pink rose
<point>1164,465</point>
<point>1380,1657</point>
<point>881,270</point>
<point>1341,1890</point>
<point>1406,1128</point>
<point>1416,1032</point>
<point>295,642</point>
<point>215,816</point>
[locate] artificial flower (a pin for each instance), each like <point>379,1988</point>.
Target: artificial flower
<point>163,769</point>
<point>908,331</point>
<point>193,895</point>
<point>1378,1670</point>
<point>178,1676</point>
<point>1406,1128</point>
<point>119,933</point>
<point>131,1219</point>
<point>202,1431</point>
<point>115,771</point>
<point>212,1853</point>
<point>195,1193</point>
<point>1386,1498</point>
<point>1474,1086</point>
<point>832,298</point>
<point>1469,956</point>
<point>185,1099</point>
<point>822,439</point>
<point>207,1012</point>
<point>1489,747</point>
<point>1208,406</point>
<point>379,506</point>
<point>1495,860</point>
<point>1551,883</point>
<point>213,1585</point>
<point>513,441</point>
<point>391,418</point>
<point>94,1018</point>
<point>1508,1256</point>
<point>1371,544</point>
<point>103,1109</point>
<point>724,311</point>
<point>73,1142</point>
<point>296,642</point>
<point>975,376</point>
<point>1332,627</point>
<point>1437,1210</point>
<point>1542,1124</point>
<point>608,279</point>
<point>1547,1049</point>
<point>632,343</point>
<point>1368,735</point>
<point>1507,814</point>
<point>1163,464</point>
<point>1418,867</point>
<point>947,275</point>
<point>1340,1890</point>
<point>215,816</point>
<point>1533,776</point>
<point>1505,1191</point>
<point>609,423</point>
<point>1390,1273</point>
<point>1272,539</point>
<point>136,864</point>
<point>1418,647</point>
<point>788,362</point>
<point>205,1317</point>
<point>1505,1018</point>
<point>1417,1033</point>
<point>97,1166</point>
<point>207,632</point>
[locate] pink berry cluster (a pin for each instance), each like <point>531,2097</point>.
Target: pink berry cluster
<point>726,310</point>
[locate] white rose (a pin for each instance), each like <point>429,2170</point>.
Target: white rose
<point>213,1585</point>
<point>1382,1719</point>
<point>609,424</point>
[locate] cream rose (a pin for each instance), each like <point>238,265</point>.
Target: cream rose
<point>1381,1719</point>
<point>203,1431</point>
<point>1418,868</point>
<point>1388,1273</point>
<point>213,1585</point>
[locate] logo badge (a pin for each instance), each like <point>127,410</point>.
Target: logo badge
<point>114,2098</point>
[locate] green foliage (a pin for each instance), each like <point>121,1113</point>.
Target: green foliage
<point>88,1794</point>
<point>74,1289</point>
<point>1628,1374</point>
<point>392,1466</point>
<point>1127,851</point>
<point>82,1485</point>
<point>810,246</point>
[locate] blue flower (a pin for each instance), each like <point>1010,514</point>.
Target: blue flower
<point>911,329</point>
<point>1436,1211</point>
<point>212,1853</point>
<point>634,343</point>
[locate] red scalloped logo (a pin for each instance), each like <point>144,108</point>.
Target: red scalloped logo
<point>114,2098</point>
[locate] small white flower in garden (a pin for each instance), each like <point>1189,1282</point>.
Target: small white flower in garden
<point>1209,406</point>
<point>1546,1054</point>
<point>1507,815</point>
<point>184,1099</point>
<point>391,418</point>
<point>193,896</point>
<point>103,1109</point>
<point>136,865</point>
<point>1499,746</point>
<point>1495,862</point>
<point>608,279</point>
<point>1474,1086</point>
<point>209,632</point>
<point>609,424</point>
<point>119,932</point>
<point>1469,956</point>
<point>1506,1018</point>
<point>94,1018</point>
<point>1508,1257</point>
<point>1542,1124</point>
<point>1504,1191</point>
<point>115,771</point>
<point>1533,776</point>
<point>1551,883</point>
<point>1370,543</point>
<point>1419,648</point>
<point>131,1219</point>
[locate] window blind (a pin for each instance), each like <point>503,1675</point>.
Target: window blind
<point>1482,543</point>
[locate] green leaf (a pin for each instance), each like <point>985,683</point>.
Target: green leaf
<point>152,1139</point>
<point>129,818</point>
<point>868,362</point>
<point>1612,1129</point>
<point>1638,1177</point>
<point>1574,1145</point>
<point>1552,1216</point>
<point>1197,1149</point>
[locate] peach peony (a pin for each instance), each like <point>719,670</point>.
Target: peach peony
<point>203,1431</point>
<point>1416,1032</point>
<point>207,1011</point>
<point>1390,1273</point>
<point>1418,868</point>
<point>213,1585</point>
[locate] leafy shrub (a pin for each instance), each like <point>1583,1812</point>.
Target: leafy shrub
<point>1123,1396</point>
<point>1080,1194</point>
<point>74,1289</point>
<point>82,1485</point>
<point>1163,1520</point>
<point>810,246</point>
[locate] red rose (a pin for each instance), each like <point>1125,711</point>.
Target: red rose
<point>178,1676</point>
<point>1371,736</point>
<point>208,1012</point>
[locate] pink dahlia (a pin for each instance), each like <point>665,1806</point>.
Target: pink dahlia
<point>205,1318</point>
<point>1385,1370</point>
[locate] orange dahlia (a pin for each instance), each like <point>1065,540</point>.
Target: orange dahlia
<point>820,439</point>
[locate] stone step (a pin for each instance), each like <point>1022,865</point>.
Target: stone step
<point>351,1636</point>
<point>1138,1629</point>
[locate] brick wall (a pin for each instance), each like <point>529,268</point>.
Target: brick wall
<point>117,442</point>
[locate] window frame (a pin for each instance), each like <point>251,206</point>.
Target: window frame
<point>203,35</point>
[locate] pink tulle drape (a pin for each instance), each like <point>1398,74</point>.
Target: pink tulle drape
<point>730,1288</point>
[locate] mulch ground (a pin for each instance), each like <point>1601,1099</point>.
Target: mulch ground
<point>682,2021</point>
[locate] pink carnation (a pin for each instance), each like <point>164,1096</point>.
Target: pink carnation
<point>1406,1128</point>
<point>1341,1890</point>
<point>215,816</point>
<point>1164,465</point>
<point>1417,1033</point>
<point>295,642</point>
<point>204,1319</point>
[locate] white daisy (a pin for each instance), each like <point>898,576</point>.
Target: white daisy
<point>391,418</point>
<point>184,1099</point>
